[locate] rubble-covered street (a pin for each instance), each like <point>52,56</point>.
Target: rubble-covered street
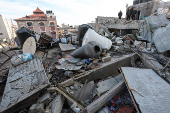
<point>115,65</point>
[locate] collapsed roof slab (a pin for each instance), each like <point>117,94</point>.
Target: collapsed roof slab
<point>115,23</point>
<point>148,89</point>
<point>23,82</point>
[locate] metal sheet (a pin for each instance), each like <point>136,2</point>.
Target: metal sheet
<point>23,81</point>
<point>152,92</point>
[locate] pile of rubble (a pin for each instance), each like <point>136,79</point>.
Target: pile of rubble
<point>90,73</point>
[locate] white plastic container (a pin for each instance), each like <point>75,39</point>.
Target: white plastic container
<point>16,60</point>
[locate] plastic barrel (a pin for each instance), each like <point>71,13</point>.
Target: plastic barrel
<point>24,33</point>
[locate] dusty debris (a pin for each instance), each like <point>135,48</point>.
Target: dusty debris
<point>66,47</point>
<point>23,81</point>
<point>81,72</point>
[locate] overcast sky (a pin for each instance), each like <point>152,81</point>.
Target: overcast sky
<point>72,12</point>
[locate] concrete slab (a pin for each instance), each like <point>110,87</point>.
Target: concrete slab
<point>150,91</point>
<point>23,81</point>
<point>57,104</point>
<point>86,93</point>
<point>68,66</point>
<point>106,59</point>
<point>44,98</point>
<point>37,108</point>
<point>66,47</point>
<point>105,85</point>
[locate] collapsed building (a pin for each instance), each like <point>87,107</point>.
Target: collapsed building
<point>113,66</point>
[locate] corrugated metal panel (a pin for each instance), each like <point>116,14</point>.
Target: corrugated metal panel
<point>23,81</point>
<point>150,91</point>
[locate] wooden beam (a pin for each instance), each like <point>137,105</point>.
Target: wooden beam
<point>70,97</point>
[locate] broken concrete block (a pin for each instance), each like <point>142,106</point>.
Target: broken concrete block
<point>72,87</point>
<point>119,78</point>
<point>44,98</point>
<point>120,42</point>
<point>95,61</point>
<point>51,89</point>
<point>137,43</point>
<point>77,85</point>
<point>49,76</point>
<point>37,108</point>
<point>66,47</point>
<point>87,90</point>
<point>105,85</point>
<point>119,48</point>
<point>143,49</point>
<point>127,42</point>
<point>106,59</point>
<point>153,50</point>
<point>57,104</point>
<point>71,92</point>
<point>149,45</point>
<point>75,108</point>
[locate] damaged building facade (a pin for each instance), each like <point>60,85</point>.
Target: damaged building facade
<point>108,25</point>
<point>40,22</point>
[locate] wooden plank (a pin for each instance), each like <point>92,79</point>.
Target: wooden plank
<point>149,90</point>
<point>70,97</point>
<point>96,105</point>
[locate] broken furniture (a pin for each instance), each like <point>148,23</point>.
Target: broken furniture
<point>45,40</point>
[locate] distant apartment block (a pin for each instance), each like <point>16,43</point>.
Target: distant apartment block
<point>3,31</point>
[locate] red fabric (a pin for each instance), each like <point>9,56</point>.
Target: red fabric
<point>42,28</point>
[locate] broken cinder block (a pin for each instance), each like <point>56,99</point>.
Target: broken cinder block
<point>106,59</point>
<point>44,98</point>
<point>37,108</point>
